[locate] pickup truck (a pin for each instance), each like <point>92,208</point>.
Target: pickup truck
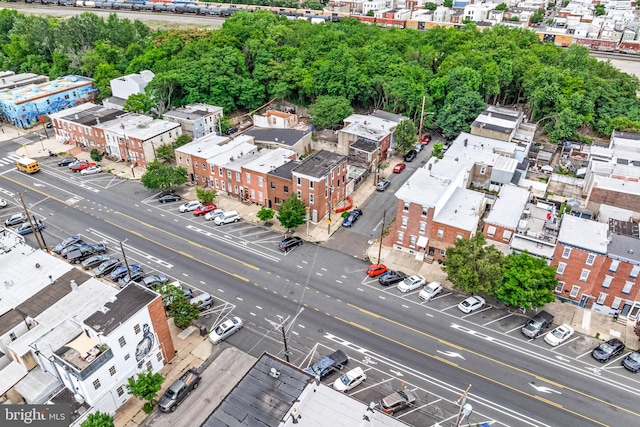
<point>177,391</point>
<point>536,326</point>
<point>326,365</point>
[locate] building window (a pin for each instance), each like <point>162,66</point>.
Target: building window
<point>584,275</point>
<point>122,341</point>
<point>405,207</point>
<point>260,181</point>
<point>149,365</point>
<point>136,329</point>
<point>220,171</point>
<point>405,221</point>
<point>412,241</point>
<point>627,287</point>
<point>590,259</point>
<point>286,189</point>
<point>204,166</point>
<point>126,357</point>
<point>96,384</point>
<point>13,336</point>
<point>440,233</point>
<point>443,253</point>
<point>425,210</point>
<point>195,164</point>
<point>273,185</point>
<point>299,180</point>
<point>561,267</point>
<point>159,356</point>
<point>607,281</point>
<point>299,192</point>
<point>311,184</point>
<point>616,303</point>
<point>458,236</point>
<point>276,200</point>
<point>223,184</point>
<point>559,287</point>
<point>112,370</point>
<point>400,237</point>
<point>188,161</point>
<point>247,177</point>
<point>614,265</point>
<point>229,174</point>
<point>311,198</point>
<point>635,271</point>
<point>196,176</point>
<point>491,231</point>
<point>574,291</point>
<point>506,235</point>
<point>237,176</point>
<point>120,391</point>
<point>423,227</point>
<point>601,298</point>
<point>483,170</point>
<point>566,253</point>
<point>215,182</point>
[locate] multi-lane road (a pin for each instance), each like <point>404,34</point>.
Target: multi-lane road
<point>431,348</point>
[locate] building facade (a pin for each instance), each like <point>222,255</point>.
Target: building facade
<point>196,120</point>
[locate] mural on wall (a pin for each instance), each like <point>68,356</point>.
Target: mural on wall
<point>146,343</point>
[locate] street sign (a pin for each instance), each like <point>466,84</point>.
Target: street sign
<point>329,221</point>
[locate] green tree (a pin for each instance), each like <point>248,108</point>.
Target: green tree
<point>206,196</point>
<point>96,155</point>
<point>600,9</point>
<point>370,12</point>
<point>473,266</point>
<point>538,16</point>
<point>405,136</point>
<point>448,3</point>
<point>146,386</point>
<point>139,103</point>
<point>165,153</point>
<point>183,139</point>
<point>528,282</point>
<point>163,177</point>
<point>292,213</point>
<point>502,7</point>
<point>437,150</point>
<point>178,306</point>
<point>329,111</point>
<point>265,214</point>
<point>430,6</point>
<point>98,419</point>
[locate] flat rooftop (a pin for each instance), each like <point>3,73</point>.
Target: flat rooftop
<point>507,209</point>
<point>430,183</point>
<point>88,114</point>
<point>462,210</point>
<point>285,171</point>
<point>625,248</point>
<point>138,126</point>
<point>288,137</point>
<point>34,91</point>
<point>584,234</point>
<point>270,159</point>
<point>319,164</point>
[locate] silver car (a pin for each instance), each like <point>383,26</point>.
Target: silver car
<point>225,330</point>
<point>383,185</point>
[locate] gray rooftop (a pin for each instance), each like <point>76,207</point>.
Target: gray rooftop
<point>462,210</point>
<point>90,115</point>
<point>268,160</point>
<point>584,234</point>
<point>507,210</point>
<point>66,397</point>
<point>319,164</point>
<point>365,146</point>
<point>389,116</point>
<point>288,137</point>
<point>193,111</point>
<point>35,383</point>
<point>625,228</point>
<point>498,119</point>
<point>128,302</point>
<point>285,171</point>
<point>138,126</point>
<point>624,248</point>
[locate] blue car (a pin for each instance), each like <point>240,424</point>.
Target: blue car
<point>121,271</point>
<point>632,362</point>
<point>353,217</point>
<point>25,228</point>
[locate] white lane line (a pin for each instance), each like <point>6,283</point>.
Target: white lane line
<point>405,306</point>
<point>338,281</point>
<point>318,274</point>
<point>503,317</point>
<point>202,282</point>
<point>514,329</point>
<point>371,386</point>
<point>429,314</point>
<point>360,289</point>
<point>301,325</point>
<point>252,313</point>
<point>220,290</point>
<point>239,299</point>
<point>185,274</point>
<point>258,307</point>
<point>343,276</point>
<point>381,297</point>
<point>323,269</point>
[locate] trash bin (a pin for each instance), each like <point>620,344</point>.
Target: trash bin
<point>203,331</point>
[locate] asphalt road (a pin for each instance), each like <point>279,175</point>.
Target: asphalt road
<point>431,347</point>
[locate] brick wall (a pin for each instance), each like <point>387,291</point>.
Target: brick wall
<point>615,198</point>
<point>161,327</point>
<point>575,263</point>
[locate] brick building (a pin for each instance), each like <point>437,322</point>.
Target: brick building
<point>506,214</point>
<point>75,125</point>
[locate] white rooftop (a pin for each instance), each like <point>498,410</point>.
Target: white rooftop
<point>607,212</point>
<point>583,233</point>
<point>205,147</point>
<point>462,210</point>
<point>507,210</point>
<point>619,185</point>
<point>426,187</point>
<point>73,110</point>
<point>137,126</point>
<point>269,160</point>
<point>370,127</point>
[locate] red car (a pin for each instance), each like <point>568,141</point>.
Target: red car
<point>376,270</point>
<point>82,166</point>
<point>399,168</point>
<point>426,138</point>
<point>204,209</point>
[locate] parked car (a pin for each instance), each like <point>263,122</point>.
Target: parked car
<point>419,146</point>
<point>399,167</point>
<point>471,304</point>
<point>75,163</point>
<point>397,401</point>
<point>83,252</point>
<point>204,301</point>
<point>210,216</point>
<point>16,219</point>
<point>66,161</point>
<point>325,366</point>
<point>227,217</point>
<point>632,361</point>
<point>73,247</point>
<point>153,280</point>
<point>25,227</point>
<point>66,242</point>
<point>82,166</point>
<point>91,170</point>
<point>412,283</point>
<point>410,156</point>
<point>225,330</point>
<point>350,379</point>
<point>536,325</point>
<point>122,271</point>
<point>166,198</point>
<point>204,209</point>
<point>3,203</point>
<point>376,270</point>
<point>94,261</point>
<point>133,276</point>
<point>391,277</point>
<point>351,218</point>
<point>178,390</point>
<point>106,267</point>
<point>430,291</point>
<point>426,138</point>
<point>190,206</point>
<point>559,335</point>
<point>605,351</point>
<point>383,185</point>
<point>289,243</point>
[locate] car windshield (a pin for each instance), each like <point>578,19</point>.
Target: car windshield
<point>345,379</point>
<point>558,333</point>
<point>403,395</point>
<point>635,356</point>
<point>171,394</point>
<point>606,348</point>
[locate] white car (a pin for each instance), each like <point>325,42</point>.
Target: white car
<point>471,304</point>
<point>3,203</point>
<point>227,217</point>
<point>91,170</point>
<point>430,291</point>
<point>225,330</point>
<point>190,206</point>
<point>559,335</point>
<point>411,283</point>
<point>210,216</point>
<point>350,379</point>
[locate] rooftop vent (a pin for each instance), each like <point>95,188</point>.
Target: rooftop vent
<point>274,373</point>
<point>74,285</point>
<point>630,251</point>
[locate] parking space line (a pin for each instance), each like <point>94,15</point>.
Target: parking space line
<point>503,317</point>
<point>584,354</point>
<point>514,329</point>
<point>475,312</point>
<point>413,410</point>
<point>564,343</point>
<point>447,308</point>
<point>371,386</point>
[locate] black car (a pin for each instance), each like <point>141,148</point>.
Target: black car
<point>289,243</point>
<point>133,276</point>
<point>632,362</point>
<point>66,242</point>
<point>351,218</point>
<point>106,267</point>
<point>410,156</point>
<point>94,261</point>
<point>84,252</point>
<point>391,277</point>
<point>605,351</point>
<point>66,161</point>
<point>166,198</point>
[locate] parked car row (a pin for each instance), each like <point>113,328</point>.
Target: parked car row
<point>210,211</point>
<point>85,167</point>
<point>23,224</point>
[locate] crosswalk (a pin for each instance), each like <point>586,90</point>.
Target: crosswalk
<point>9,160</point>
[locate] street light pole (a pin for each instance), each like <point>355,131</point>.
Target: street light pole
<point>26,212</point>
<point>465,409</point>
<point>124,256</point>
<point>384,217</point>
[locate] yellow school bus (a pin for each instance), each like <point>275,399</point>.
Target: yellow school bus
<point>28,165</point>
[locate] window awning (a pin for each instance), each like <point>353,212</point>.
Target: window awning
<point>423,241</point>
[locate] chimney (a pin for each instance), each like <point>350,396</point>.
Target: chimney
<point>74,285</point>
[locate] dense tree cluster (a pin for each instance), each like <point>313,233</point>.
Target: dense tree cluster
<point>257,57</point>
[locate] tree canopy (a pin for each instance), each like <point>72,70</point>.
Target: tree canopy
<point>528,282</point>
<point>405,136</point>
<point>292,213</point>
<point>163,177</point>
<point>98,419</point>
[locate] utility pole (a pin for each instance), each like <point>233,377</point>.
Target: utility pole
<point>44,244</point>
<point>384,217</point>
<point>26,212</point>
<point>330,204</point>
<point>283,330</point>
<point>284,341</point>
<point>125,257</point>
<point>465,409</point>
<point>421,118</point>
